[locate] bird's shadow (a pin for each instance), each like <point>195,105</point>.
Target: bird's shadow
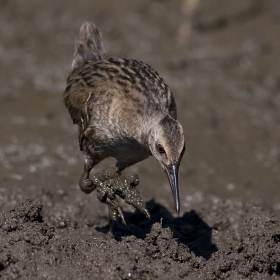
<point>189,229</point>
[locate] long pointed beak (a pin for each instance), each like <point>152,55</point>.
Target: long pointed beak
<point>172,174</point>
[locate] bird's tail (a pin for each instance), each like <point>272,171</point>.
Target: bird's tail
<point>89,46</point>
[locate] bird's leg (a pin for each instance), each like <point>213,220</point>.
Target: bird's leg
<point>86,184</point>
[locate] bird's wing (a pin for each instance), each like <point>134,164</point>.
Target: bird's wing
<point>79,97</point>
<point>76,99</point>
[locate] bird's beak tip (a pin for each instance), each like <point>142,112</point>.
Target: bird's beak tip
<point>172,173</point>
<point>177,207</point>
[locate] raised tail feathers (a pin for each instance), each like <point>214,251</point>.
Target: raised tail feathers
<point>89,46</point>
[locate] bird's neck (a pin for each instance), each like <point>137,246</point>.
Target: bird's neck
<point>141,128</point>
<point>152,124</point>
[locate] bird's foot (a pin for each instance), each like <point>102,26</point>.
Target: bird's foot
<point>110,183</point>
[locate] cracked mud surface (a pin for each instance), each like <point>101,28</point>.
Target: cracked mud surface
<point>227,85</point>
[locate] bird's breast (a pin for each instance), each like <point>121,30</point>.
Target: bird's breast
<point>130,152</point>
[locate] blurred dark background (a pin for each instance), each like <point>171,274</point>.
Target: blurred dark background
<point>221,60</point>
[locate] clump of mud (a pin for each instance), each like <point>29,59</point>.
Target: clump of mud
<point>255,252</point>
<point>22,235</point>
<point>32,249</point>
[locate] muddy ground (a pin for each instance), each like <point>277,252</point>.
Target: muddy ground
<point>226,79</point>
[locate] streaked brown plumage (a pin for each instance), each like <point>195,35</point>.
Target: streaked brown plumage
<point>123,109</point>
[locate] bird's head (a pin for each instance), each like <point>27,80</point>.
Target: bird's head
<point>167,145</point>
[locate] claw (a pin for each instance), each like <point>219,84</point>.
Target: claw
<point>120,212</point>
<point>114,213</point>
<point>146,213</point>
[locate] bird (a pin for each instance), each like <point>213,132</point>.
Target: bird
<point>123,109</point>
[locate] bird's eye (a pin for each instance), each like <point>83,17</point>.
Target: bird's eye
<point>160,149</point>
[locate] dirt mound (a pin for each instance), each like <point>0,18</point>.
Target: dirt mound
<point>22,235</point>
<point>256,251</point>
<point>33,249</point>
